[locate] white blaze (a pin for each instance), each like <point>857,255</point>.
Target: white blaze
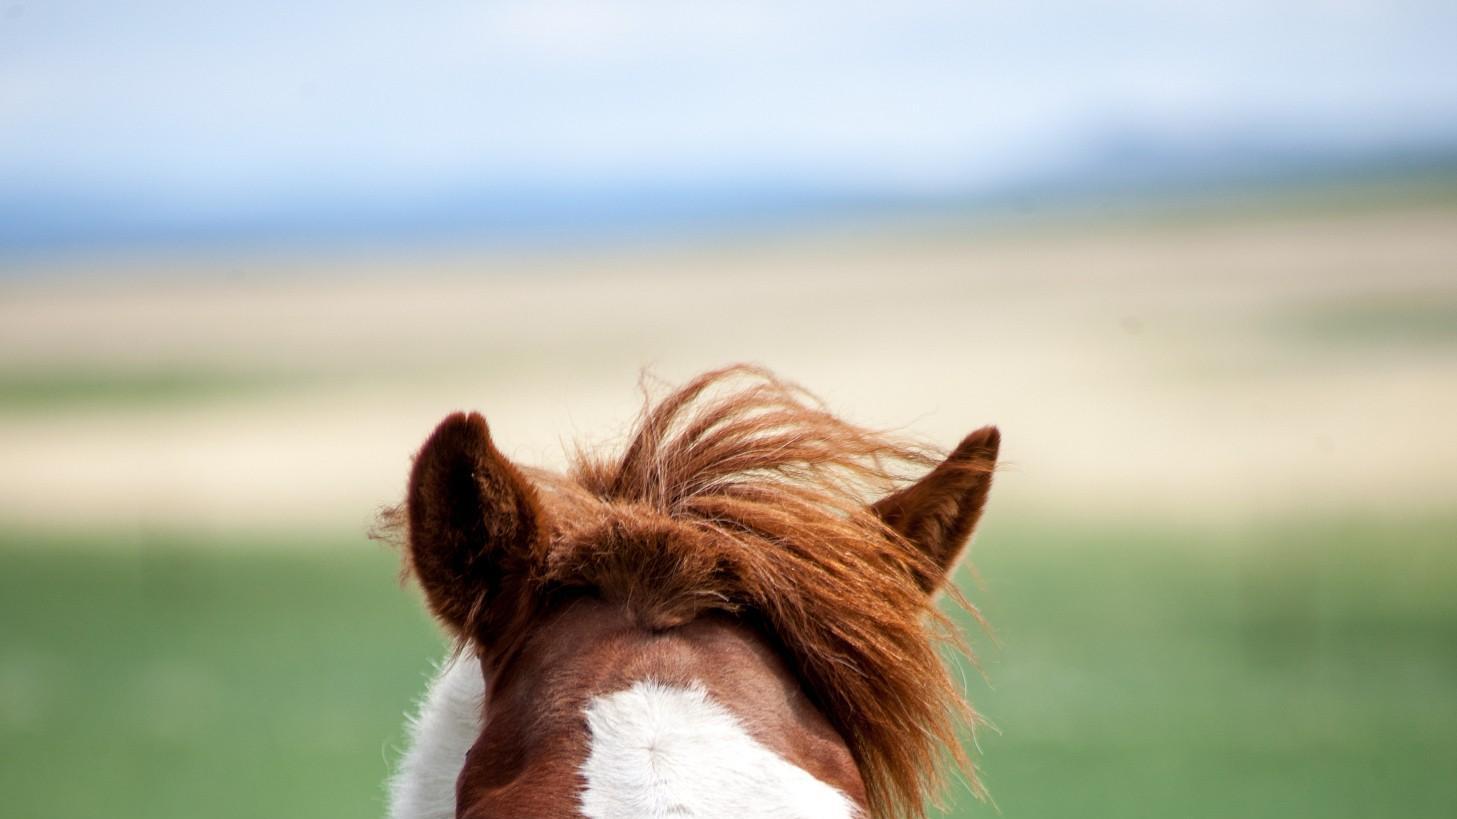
<point>661,752</point>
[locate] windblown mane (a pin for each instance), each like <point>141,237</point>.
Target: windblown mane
<point>739,492</point>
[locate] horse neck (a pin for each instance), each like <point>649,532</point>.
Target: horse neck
<point>446,724</point>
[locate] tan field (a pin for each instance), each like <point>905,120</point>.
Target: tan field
<point>1223,365</point>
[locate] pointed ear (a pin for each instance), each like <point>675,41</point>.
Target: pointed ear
<point>474,521</point>
<point>938,512</point>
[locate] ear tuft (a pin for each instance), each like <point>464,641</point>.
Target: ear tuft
<point>473,519</point>
<point>938,512</point>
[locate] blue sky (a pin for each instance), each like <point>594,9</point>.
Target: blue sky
<point>198,113</point>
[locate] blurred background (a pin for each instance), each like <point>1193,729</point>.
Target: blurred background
<point>1198,261</point>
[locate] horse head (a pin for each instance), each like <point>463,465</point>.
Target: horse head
<point>733,616</point>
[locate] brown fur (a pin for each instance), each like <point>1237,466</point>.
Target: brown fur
<point>737,495</point>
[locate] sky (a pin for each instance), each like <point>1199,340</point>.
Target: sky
<point>191,114</point>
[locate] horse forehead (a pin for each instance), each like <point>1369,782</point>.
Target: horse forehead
<point>659,750</point>
<point>702,720</point>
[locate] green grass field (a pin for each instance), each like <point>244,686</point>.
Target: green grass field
<point>1281,670</point>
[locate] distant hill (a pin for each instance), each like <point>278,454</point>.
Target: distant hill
<point>1118,169</point>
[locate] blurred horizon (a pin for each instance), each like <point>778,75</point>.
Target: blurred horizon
<point>158,125</point>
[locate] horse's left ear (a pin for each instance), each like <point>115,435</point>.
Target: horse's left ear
<point>938,512</point>
<point>474,524</point>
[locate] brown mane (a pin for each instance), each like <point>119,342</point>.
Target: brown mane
<point>739,493</point>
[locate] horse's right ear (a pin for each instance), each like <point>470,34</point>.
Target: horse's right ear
<point>937,513</point>
<point>474,522</point>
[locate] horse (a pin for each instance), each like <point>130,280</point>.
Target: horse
<point>734,616</point>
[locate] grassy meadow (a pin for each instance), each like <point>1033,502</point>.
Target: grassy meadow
<point>1220,559</point>
<point>1285,670</point>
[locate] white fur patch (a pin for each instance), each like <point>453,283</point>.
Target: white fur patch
<point>448,724</point>
<point>661,752</point>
